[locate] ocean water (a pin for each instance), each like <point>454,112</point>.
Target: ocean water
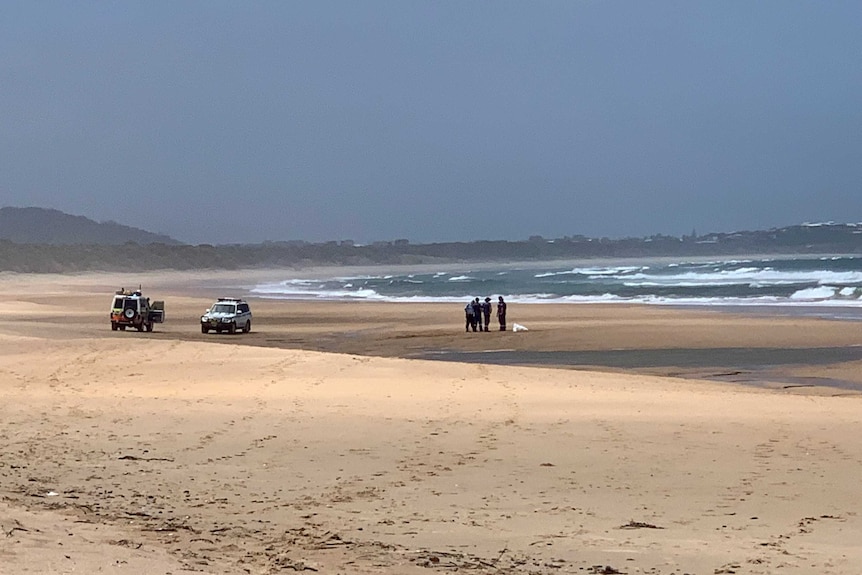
<point>824,282</point>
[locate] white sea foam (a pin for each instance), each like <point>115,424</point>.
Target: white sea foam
<point>357,278</point>
<point>814,297</point>
<point>335,294</point>
<point>815,294</point>
<point>593,271</point>
<point>840,295</point>
<point>743,276</point>
<point>749,275</point>
<point>742,282</point>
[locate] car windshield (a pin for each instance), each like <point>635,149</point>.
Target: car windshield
<point>223,308</point>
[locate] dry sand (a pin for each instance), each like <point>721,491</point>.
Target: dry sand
<point>174,452</point>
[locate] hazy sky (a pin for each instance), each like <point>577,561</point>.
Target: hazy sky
<point>222,122</point>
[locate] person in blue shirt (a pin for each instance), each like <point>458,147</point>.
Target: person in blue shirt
<point>486,312</point>
<point>477,314</point>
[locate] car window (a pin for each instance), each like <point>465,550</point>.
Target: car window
<point>118,302</point>
<point>223,308</point>
<point>243,307</point>
<point>130,304</point>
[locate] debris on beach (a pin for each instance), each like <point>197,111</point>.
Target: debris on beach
<point>639,525</point>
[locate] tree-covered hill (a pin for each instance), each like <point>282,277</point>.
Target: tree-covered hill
<point>53,227</point>
<point>133,256</point>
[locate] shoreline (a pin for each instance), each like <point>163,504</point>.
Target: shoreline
<point>241,283</point>
<point>693,342</point>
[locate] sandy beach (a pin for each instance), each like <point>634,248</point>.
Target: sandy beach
<point>332,439</point>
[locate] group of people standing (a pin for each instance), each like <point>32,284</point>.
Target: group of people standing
<point>476,311</point>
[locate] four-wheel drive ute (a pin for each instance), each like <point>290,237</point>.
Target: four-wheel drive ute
<point>132,309</point>
<point>227,314</point>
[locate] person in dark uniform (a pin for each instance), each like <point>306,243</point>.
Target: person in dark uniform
<point>501,313</point>
<point>486,312</point>
<point>477,314</point>
<point>469,317</point>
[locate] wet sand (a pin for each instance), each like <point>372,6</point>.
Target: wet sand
<point>318,442</point>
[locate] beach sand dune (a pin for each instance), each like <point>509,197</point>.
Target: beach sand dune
<point>173,452</point>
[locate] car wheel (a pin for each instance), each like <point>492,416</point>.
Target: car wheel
<point>150,326</point>
<point>205,329</point>
<point>129,313</point>
<point>114,326</point>
<point>247,327</point>
<point>231,328</point>
<point>122,328</point>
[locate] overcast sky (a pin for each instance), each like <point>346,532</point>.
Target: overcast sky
<point>222,122</point>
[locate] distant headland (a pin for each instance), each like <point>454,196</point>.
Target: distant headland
<point>41,240</point>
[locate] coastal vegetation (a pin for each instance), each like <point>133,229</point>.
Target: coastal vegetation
<point>121,248</point>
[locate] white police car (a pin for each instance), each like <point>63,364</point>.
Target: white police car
<point>227,314</point>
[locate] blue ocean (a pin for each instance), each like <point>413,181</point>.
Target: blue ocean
<point>828,283</point>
